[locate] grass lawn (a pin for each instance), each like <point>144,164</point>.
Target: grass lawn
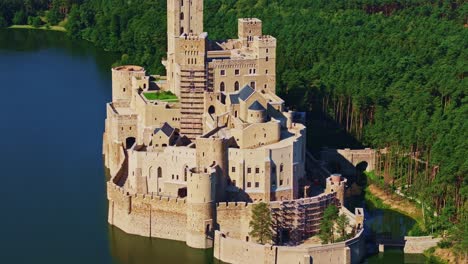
<point>52,28</point>
<point>162,96</point>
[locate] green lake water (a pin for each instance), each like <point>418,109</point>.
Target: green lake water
<point>53,199</point>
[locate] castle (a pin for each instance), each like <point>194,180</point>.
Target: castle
<point>183,168</point>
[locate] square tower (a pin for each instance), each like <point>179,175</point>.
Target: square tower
<point>248,28</point>
<point>184,17</point>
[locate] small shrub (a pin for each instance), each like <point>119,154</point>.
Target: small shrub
<point>444,244</point>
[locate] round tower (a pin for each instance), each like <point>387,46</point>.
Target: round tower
<point>200,208</point>
<point>122,81</point>
<point>212,154</point>
<point>336,184</point>
<point>256,113</point>
<point>256,116</point>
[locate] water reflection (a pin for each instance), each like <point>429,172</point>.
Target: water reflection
<point>388,223</point>
<point>394,256</point>
<point>128,249</point>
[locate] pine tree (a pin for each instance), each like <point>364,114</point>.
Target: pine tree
<point>342,223</point>
<point>261,223</point>
<point>326,232</point>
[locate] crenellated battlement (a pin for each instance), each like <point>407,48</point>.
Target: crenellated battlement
<point>233,63</point>
<point>233,205</point>
<point>114,190</point>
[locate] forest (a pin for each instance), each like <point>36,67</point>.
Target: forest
<point>390,74</point>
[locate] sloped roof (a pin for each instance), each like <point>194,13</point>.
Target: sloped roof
<point>166,129</point>
<point>246,92</point>
<point>256,106</point>
<point>234,98</point>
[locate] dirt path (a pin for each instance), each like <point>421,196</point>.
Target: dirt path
<point>397,202</point>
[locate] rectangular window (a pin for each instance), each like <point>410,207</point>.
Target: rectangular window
<point>233,169</point>
<point>234,182</point>
<point>249,170</point>
<point>281,182</point>
<point>236,71</point>
<point>257,184</point>
<point>257,170</point>
<point>249,184</point>
<point>223,72</point>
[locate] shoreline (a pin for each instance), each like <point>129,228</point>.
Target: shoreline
<point>51,28</point>
<point>397,203</point>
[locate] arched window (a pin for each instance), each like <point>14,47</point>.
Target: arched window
<point>159,172</point>
<point>236,86</point>
<point>281,167</point>
<point>266,59</point>
<point>181,16</point>
<point>222,87</point>
<point>211,110</point>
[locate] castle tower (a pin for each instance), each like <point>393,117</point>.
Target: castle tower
<point>212,153</point>
<point>184,17</point>
<point>190,77</point>
<point>265,48</point>
<point>336,184</point>
<point>200,208</point>
<point>248,28</point>
<point>122,81</point>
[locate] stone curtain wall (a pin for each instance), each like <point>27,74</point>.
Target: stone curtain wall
<point>232,250</point>
<point>149,216</point>
<point>233,219</point>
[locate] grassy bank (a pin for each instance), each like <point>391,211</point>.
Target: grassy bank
<point>45,27</point>
<point>377,198</point>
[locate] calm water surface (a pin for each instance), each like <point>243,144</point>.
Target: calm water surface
<point>52,195</point>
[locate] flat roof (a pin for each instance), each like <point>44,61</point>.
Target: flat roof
<point>129,68</point>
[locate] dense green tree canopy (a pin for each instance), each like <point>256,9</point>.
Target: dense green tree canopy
<point>391,73</point>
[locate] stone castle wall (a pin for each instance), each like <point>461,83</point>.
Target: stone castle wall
<point>149,216</point>
<point>233,219</point>
<point>233,250</point>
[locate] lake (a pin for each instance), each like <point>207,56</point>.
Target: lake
<point>53,195</point>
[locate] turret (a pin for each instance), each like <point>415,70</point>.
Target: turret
<point>336,184</point>
<point>122,81</point>
<point>200,207</point>
<point>256,113</point>
<point>212,153</point>
<point>248,28</point>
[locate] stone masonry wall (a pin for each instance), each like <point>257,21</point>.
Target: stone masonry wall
<point>233,250</point>
<point>149,216</point>
<point>233,219</point>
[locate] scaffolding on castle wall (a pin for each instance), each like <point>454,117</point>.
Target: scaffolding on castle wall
<point>299,218</point>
